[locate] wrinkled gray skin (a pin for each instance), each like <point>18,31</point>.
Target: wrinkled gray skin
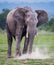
<point>42,18</point>
<point>17,19</point>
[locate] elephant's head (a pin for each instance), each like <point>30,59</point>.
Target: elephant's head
<point>31,22</point>
<point>42,17</point>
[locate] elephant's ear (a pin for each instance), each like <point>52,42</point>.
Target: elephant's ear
<point>42,17</point>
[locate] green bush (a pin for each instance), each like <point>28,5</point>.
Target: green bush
<point>49,26</point>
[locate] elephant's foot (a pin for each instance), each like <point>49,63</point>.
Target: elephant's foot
<point>30,51</point>
<point>9,56</point>
<point>17,54</point>
<point>24,52</point>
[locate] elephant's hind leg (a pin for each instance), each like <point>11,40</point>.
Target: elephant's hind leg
<point>9,38</point>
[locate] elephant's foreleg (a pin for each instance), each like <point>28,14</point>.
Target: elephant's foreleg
<point>9,36</point>
<point>18,40</point>
<point>18,52</point>
<point>25,45</point>
<point>31,39</point>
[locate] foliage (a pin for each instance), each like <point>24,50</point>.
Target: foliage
<point>49,26</point>
<point>3,18</point>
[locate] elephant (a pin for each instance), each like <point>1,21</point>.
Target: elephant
<point>42,18</point>
<point>17,20</point>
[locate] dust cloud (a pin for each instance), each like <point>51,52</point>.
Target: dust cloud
<point>36,54</point>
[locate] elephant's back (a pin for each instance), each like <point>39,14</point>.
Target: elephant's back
<point>10,14</point>
<point>10,21</point>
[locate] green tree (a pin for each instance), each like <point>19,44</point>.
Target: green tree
<point>3,18</point>
<point>49,26</point>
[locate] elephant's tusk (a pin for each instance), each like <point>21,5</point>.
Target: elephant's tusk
<point>27,35</point>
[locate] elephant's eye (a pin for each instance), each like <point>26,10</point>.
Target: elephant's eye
<point>28,16</point>
<point>35,19</point>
